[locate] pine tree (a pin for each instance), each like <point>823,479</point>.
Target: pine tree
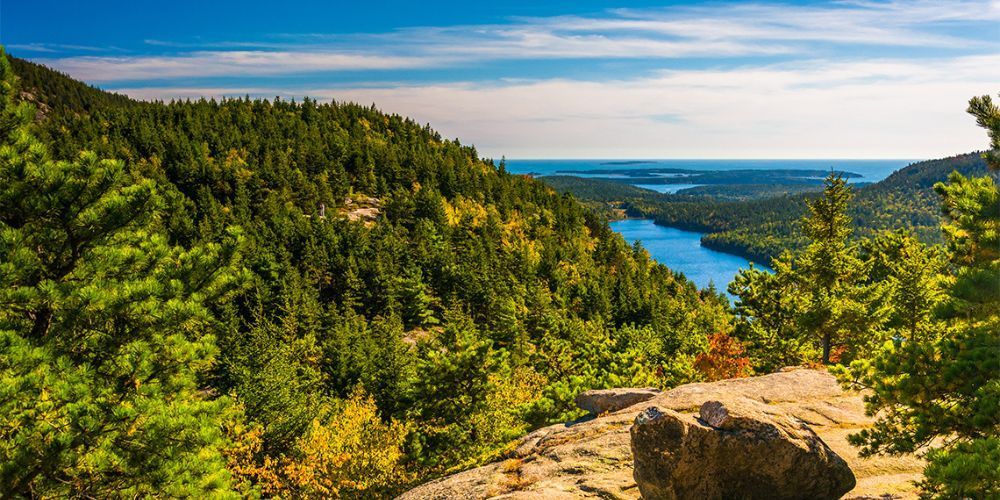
<point>272,368</point>
<point>104,329</point>
<point>452,386</point>
<point>987,115</point>
<point>416,301</point>
<point>911,274</point>
<point>818,300</point>
<point>831,273</point>
<point>767,316</point>
<point>947,387</point>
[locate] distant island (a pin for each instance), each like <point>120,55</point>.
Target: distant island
<point>687,176</point>
<point>629,162</point>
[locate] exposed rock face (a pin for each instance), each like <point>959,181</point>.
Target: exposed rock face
<point>737,448</point>
<point>362,208</point>
<point>593,458</point>
<point>601,401</point>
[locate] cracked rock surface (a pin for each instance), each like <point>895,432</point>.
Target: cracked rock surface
<point>734,448</point>
<point>592,458</point>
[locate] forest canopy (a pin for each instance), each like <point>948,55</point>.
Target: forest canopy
<point>268,284</point>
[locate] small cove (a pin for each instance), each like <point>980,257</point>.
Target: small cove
<point>682,251</point>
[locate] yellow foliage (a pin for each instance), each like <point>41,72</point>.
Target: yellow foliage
<point>451,214</point>
<point>350,452</point>
<point>242,454</point>
<point>569,273</point>
<point>236,159</point>
<point>353,450</point>
<point>465,209</point>
<point>515,238</point>
<point>501,421</point>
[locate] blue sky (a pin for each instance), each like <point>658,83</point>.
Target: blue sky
<point>563,79</point>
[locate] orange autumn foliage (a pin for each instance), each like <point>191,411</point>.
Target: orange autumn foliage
<point>726,358</point>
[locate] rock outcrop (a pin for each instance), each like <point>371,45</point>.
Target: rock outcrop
<point>593,457</point>
<point>736,448</point>
<point>362,208</point>
<point>600,401</point>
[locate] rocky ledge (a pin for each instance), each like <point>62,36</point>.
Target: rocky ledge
<point>593,457</point>
<point>737,448</point>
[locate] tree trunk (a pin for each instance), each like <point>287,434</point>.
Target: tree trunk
<point>826,348</point>
<point>41,321</point>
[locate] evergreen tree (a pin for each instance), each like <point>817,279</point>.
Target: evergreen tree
<point>767,316</point>
<point>830,274</point>
<point>416,301</point>
<point>104,329</point>
<point>273,371</point>
<point>452,386</point>
<point>987,115</point>
<point>911,274</point>
<point>946,387</point>
<point>819,302</point>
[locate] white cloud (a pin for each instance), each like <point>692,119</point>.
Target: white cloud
<point>224,63</point>
<point>59,47</point>
<point>718,31</point>
<point>896,23</point>
<point>815,109</point>
<point>830,98</point>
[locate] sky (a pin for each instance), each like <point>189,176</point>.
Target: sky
<point>562,79</point>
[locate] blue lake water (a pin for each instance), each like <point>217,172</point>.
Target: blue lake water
<point>666,188</point>
<point>682,251</point>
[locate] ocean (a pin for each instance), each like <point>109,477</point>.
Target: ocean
<point>870,170</point>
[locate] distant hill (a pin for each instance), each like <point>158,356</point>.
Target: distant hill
<point>50,89</point>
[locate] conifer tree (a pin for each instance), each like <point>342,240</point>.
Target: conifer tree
<point>946,388</point>
<point>103,329</point>
<point>911,274</point>
<point>819,300</point>
<point>767,312</point>
<point>830,274</point>
<point>452,386</point>
<point>417,303</point>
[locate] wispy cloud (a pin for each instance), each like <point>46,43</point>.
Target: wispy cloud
<point>879,108</point>
<point>226,63</point>
<point>719,31</point>
<point>53,48</point>
<point>894,23</point>
<point>764,80</point>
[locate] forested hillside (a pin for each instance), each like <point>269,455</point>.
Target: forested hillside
<point>760,228</point>
<point>194,295</point>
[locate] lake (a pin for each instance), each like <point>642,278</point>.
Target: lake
<point>666,188</point>
<point>682,251</point>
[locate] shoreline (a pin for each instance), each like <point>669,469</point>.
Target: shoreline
<point>756,260</point>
